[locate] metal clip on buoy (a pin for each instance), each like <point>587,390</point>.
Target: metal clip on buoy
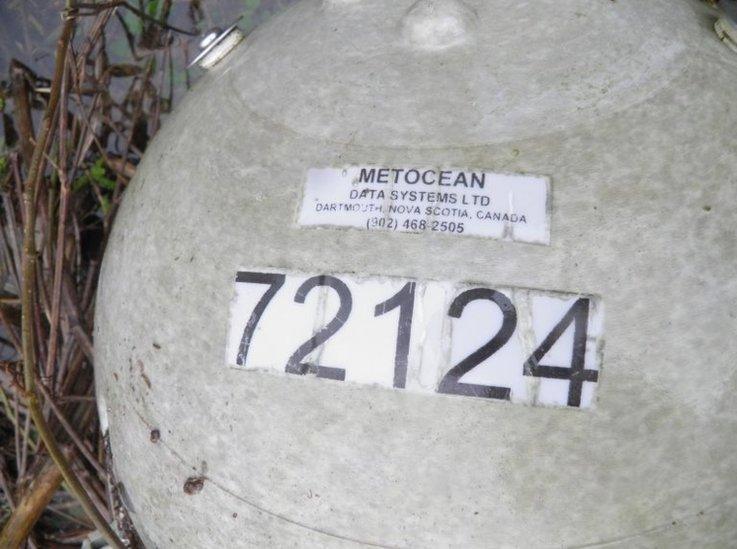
<point>726,25</point>
<point>216,45</point>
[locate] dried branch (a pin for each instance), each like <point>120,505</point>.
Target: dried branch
<point>86,8</point>
<point>31,505</point>
<point>19,76</point>
<point>61,226</point>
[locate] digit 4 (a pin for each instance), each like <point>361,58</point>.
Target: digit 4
<point>576,373</point>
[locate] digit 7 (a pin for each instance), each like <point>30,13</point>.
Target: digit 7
<point>275,281</point>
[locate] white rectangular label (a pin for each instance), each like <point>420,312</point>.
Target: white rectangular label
<point>414,200</point>
<point>527,346</point>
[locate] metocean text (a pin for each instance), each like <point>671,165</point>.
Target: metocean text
<point>442,178</point>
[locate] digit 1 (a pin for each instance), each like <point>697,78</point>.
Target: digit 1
<point>405,300</point>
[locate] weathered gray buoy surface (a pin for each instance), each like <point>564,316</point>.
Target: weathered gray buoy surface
<point>435,274</point>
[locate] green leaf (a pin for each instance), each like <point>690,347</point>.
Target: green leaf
<point>105,204</point>
<point>98,169</point>
<point>153,8</point>
<point>80,183</point>
<point>98,173</point>
<point>106,183</point>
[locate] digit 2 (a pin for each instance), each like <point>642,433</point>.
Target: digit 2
<point>295,364</point>
<point>450,383</point>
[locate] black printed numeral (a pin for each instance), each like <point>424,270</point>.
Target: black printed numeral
<point>295,364</point>
<point>405,300</point>
<point>578,315</point>
<point>450,383</point>
<point>275,281</point>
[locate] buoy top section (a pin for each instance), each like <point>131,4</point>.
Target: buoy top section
<point>430,73</point>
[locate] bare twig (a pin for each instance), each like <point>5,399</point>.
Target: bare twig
<point>86,8</point>
<point>19,75</point>
<point>84,450</point>
<point>31,505</point>
<point>61,226</point>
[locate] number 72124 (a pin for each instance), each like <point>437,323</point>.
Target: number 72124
<point>527,346</point>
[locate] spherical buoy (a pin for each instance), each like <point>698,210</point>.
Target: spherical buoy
<point>445,273</point>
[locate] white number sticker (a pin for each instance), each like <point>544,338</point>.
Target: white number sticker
<point>526,346</point>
